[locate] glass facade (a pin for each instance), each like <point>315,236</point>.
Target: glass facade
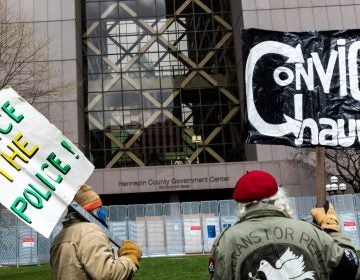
<point>160,81</point>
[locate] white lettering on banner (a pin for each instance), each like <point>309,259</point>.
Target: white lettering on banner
<point>261,49</point>
<point>335,133</point>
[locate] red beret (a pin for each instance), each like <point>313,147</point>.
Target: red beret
<point>255,185</point>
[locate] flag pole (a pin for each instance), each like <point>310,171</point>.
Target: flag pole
<point>320,176</point>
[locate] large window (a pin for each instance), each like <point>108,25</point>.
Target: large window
<point>160,80</point>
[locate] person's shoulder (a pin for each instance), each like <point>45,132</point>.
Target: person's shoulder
<point>307,223</point>
<point>84,227</point>
<point>87,230</point>
<point>311,228</point>
<point>227,231</point>
<point>90,226</point>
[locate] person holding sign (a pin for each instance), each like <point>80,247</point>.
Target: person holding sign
<point>267,243</point>
<point>82,250</point>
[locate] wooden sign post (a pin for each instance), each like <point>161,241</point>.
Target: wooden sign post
<point>320,176</point>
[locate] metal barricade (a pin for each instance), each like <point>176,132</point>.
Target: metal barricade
<point>228,213</point>
<point>357,207</point>
<point>304,205</point>
<point>345,209</point>
<point>192,227</point>
<point>155,230</point>
<point>9,245</point>
<point>118,221</point>
<point>173,229</point>
<point>164,229</point>
<point>20,244</point>
<point>293,205</point>
<point>210,223</point>
<point>137,225</point>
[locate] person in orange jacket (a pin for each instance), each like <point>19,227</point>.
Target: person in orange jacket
<point>82,250</point>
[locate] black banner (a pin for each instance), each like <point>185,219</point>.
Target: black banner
<point>302,89</point>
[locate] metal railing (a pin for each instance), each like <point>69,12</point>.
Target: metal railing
<point>164,229</point>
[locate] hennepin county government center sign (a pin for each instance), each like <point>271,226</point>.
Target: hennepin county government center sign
<point>173,183</point>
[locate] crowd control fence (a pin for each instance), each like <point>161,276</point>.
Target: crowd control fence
<point>164,229</point>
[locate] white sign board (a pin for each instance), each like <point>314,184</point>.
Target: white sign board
<point>28,242</point>
<point>349,226</point>
<point>40,169</point>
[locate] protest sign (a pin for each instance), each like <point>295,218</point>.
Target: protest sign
<point>302,88</point>
<point>40,169</point>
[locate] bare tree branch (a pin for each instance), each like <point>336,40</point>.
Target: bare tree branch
<point>344,163</point>
<point>23,59</point>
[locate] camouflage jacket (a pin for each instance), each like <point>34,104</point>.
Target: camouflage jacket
<point>266,244</point>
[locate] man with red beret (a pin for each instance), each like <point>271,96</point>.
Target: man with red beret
<point>82,251</point>
<point>266,243</point>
